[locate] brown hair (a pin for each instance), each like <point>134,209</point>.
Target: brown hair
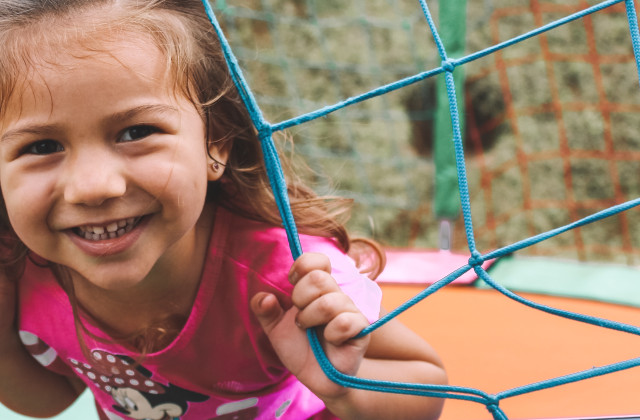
<point>194,58</point>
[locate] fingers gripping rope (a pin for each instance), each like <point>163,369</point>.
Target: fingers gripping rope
<point>448,65</point>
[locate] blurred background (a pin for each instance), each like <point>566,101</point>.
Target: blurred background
<point>550,126</point>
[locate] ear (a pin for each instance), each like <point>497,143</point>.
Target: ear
<point>217,165</point>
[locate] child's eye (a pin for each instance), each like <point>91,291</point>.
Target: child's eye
<point>137,132</point>
<point>44,147</point>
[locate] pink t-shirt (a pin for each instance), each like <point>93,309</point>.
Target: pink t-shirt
<point>221,365</point>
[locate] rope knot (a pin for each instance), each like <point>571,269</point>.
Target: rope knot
<point>476,259</point>
<point>449,64</point>
<point>264,132</point>
<point>495,411</point>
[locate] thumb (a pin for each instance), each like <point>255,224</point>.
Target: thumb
<point>267,310</point>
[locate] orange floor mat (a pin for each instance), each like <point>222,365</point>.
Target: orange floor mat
<point>492,343</point>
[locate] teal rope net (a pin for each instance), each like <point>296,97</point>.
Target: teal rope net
<point>447,67</point>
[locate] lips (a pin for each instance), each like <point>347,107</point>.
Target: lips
<point>110,238</point>
<point>110,230</point>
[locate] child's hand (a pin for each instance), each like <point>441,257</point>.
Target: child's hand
<point>318,302</point>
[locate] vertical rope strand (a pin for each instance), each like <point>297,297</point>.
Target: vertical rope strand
<point>632,17</point>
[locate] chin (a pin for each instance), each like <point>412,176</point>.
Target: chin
<point>107,281</point>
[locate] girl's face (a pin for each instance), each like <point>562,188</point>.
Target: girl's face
<point>103,167</point>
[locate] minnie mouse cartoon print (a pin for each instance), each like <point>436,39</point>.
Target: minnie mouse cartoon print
<point>134,393</point>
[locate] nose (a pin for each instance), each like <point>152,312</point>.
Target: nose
<point>94,177</point>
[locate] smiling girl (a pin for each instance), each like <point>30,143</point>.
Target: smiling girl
<point>142,250</point>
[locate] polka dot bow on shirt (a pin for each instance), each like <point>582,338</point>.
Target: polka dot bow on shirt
<point>110,372</point>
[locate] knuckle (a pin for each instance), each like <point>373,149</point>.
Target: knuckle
<point>313,261</point>
<point>325,304</point>
<point>317,279</point>
<point>343,323</point>
<point>333,304</point>
<point>343,327</point>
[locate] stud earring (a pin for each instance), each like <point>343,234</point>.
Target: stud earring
<point>215,165</point>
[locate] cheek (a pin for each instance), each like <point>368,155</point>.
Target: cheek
<point>27,200</point>
<point>29,222</point>
<point>189,187</point>
<point>191,167</point>
<point>182,179</point>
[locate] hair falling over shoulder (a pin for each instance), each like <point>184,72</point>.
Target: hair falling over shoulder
<point>29,29</point>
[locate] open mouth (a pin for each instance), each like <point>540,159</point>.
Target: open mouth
<point>109,231</point>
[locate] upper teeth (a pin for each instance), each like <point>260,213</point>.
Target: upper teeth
<point>111,230</point>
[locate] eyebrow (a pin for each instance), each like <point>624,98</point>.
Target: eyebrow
<point>135,112</point>
<point>118,117</point>
<point>35,130</point>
